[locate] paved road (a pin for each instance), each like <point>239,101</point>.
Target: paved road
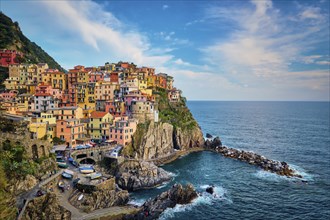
<point>32,193</point>
<point>112,211</point>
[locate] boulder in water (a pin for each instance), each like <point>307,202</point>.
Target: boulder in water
<point>208,135</point>
<point>210,190</point>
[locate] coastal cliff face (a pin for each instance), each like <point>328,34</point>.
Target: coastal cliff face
<point>46,207</point>
<point>134,175</point>
<point>154,142</point>
<point>157,140</point>
<point>188,138</point>
<point>176,129</point>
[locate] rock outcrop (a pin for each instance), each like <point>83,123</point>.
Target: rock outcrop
<point>133,175</point>
<point>161,139</point>
<point>185,139</point>
<point>104,195</point>
<point>153,208</point>
<point>46,207</point>
<point>155,142</point>
<point>281,168</point>
<point>21,186</point>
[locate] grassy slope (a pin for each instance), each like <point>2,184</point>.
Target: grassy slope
<point>11,37</point>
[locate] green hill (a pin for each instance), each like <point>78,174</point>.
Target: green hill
<point>11,37</point>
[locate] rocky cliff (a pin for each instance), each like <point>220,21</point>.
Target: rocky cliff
<point>104,195</point>
<point>134,175</point>
<point>154,207</point>
<point>176,129</point>
<point>46,207</point>
<point>156,140</point>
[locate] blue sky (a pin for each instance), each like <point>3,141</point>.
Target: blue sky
<point>216,50</point>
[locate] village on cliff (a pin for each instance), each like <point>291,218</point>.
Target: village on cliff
<point>100,104</point>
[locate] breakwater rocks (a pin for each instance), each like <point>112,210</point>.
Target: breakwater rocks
<point>152,208</point>
<point>134,175</point>
<point>281,168</point>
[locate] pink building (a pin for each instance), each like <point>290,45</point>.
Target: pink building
<point>96,77</point>
<point>8,96</point>
<point>43,88</point>
<point>123,130</point>
<point>115,108</point>
<point>134,96</point>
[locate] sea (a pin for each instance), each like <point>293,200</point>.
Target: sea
<point>295,132</point>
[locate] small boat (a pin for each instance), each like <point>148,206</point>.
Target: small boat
<point>67,176</point>
<point>80,197</point>
<point>62,165</point>
<point>74,163</point>
<point>61,184</point>
<point>95,176</point>
<point>87,170</point>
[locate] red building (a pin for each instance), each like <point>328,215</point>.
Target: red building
<point>8,57</point>
<point>114,77</point>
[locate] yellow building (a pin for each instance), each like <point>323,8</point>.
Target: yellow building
<point>39,129</point>
<point>83,77</point>
<point>99,125</point>
<point>67,113</point>
<point>46,77</point>
<point>143,84</point>
<point>105,90</point>
<point>43,126</point>
<point>59,80</point>
<point>12,83</point>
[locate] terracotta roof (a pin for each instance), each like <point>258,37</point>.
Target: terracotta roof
<point>42,94</point>
<point>96,114</point>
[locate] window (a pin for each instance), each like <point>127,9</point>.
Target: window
<point>62,130</point>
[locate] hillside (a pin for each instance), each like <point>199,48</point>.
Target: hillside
<point>11,37</point>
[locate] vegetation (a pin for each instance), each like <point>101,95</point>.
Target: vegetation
<point>176,114</point>
<point>57,141</point>
<point>14,165</point>
<point>11,37</point>
<point>4,74</point>
<point>8,209</point>
<point>141,130</point>
<point>17,164</point>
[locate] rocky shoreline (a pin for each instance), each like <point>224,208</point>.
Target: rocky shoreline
<point>280,168</point>
<point>153,208</point>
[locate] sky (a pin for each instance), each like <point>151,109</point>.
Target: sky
<point>216,50</point>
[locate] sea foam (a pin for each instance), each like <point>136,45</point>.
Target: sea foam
<point>203,198</point>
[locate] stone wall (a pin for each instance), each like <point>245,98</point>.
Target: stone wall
<point>34,148</point>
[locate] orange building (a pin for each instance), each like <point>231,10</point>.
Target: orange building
<point>70,130</point>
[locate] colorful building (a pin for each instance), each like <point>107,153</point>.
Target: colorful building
<point>70,130</point>
<point>99,125</point>
<point>8,57</point>
<point>123,130</point>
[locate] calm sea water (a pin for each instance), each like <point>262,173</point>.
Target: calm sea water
<point>295,132</point>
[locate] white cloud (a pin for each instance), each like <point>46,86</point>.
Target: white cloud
<point>165,7</point>
<point>264,45</point>
<point>181,62</point>
<point>323,62</point>
<point>310,59</point>
<point>171,39</point>
<point>104,32</point>
<point>311,13</point>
